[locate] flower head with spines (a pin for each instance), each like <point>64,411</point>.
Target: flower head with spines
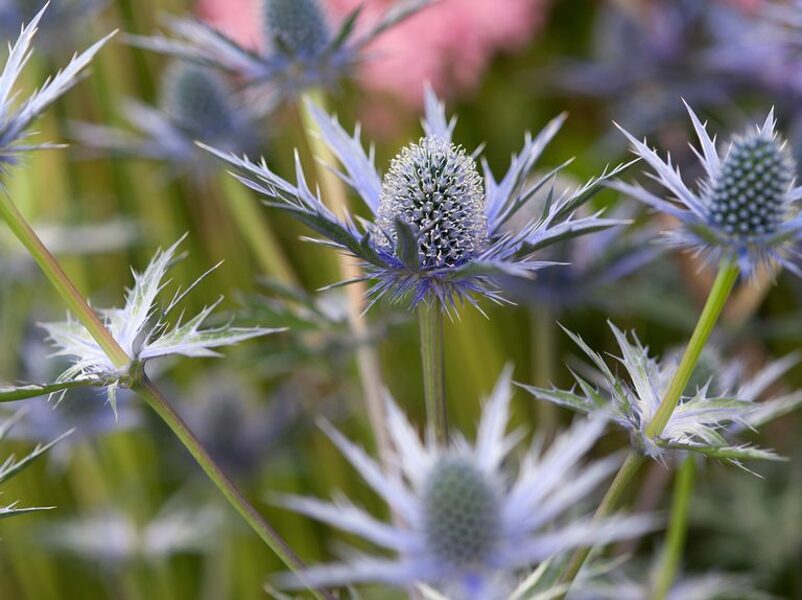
<point>302,48</point>
<point>14,122</point>
<point>143,331</point>
<point>744,210</point>
<point>463,525</point>
<point>440,233</point>
<point>718,402</point>
<point>196,104</point>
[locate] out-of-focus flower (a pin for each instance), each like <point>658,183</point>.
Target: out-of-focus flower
<point>706,412</point>
<point>197,104</point>
<point>438,230</point>
<point>12,465</point>
<point>239,429</point>
<point>114,537</point>
<point>143,331</point>
<point>301,46</point>
<point>745,208</point>
<point>463,525</point>
<point>14,122</point>
<point>448,45</point>
<point>711,586</point>
<point>63,19</point>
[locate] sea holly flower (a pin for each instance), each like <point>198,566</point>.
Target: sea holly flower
<point>112,538</point>
<point>744,210</point>
<point>15,121</point>
<point>302,48</point>
<point>143,330</point>
<point>12,465</point>
<point>464,526</point>
<point>707,412</point>
<point>439,231</point>
<point>197,104</point>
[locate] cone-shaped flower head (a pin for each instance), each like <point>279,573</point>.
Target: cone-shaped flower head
<point>718,401</point>
<point>434,188</point>
<point>744,210</point>
<point>464,525</point>
<point>297,27</point>
<point>198,101</point>
<point>440,232</point>
<point>747,199</point>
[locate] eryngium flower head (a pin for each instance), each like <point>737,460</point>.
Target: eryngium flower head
<point>143,331</point>
<point>197,100</point>
<point>463,524</point>
<point>434,188</point>
<point>743,211</point>
<point>15,122</point>
<point>197,103</point>
<point>439,234</point>
<point>302,48</point>
<point>709,409</point>
<point>297,27</point>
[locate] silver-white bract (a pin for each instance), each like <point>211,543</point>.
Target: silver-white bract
<point>142,330</point>
<point>527,523</point>
<point>701,226</point>
<point>703,416</point>
<point>15,121</point>
<point>393,260</point>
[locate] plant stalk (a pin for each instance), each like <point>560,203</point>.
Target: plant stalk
<point>90,320</point>
<point>336,197</point>
<point>716,299</point>
<point>430,321</point>
<point>677,529</point>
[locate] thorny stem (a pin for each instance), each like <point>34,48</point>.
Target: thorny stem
<point>430,320</point>
<point>90,320</point>
<point>722,286</point>
<point>677,529</point>
<point>544,343</point>
<point>717,298</point>
<point>336,197</point>
<point>608,504</point>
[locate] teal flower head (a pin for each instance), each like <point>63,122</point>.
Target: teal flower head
<point>196,104</point>
<point>302,48</point>
<point>440,231</point>
<point>465,526</point>
<point>744,210</point>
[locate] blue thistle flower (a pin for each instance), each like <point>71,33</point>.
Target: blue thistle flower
<point>745,208</point>
<point>439,233</point>
<point>464,526</point>
<point>303,48</point>
<point>196,103</point>
<point>297,27</point>
<point>62,20</point>
<point>719,400</point>
<point>15,122</point>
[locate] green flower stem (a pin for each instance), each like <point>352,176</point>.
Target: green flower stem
<point>608,505</point>
<point>72,297</point>
<point>722,287</point>
<point>336,197</point>
<point>430,320</point>
<point>677,529</point>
